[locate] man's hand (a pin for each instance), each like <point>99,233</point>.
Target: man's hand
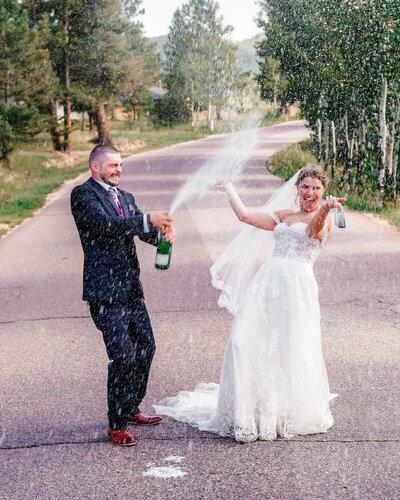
<point>161,219</point>
<point>169,233</point>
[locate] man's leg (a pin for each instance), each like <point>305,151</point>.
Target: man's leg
<point>142,338</point>
<point>113,321</point>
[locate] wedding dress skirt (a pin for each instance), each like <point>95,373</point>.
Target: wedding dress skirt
<point>273,380</point>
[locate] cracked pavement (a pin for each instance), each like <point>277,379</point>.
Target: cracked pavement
<point>53,370</point>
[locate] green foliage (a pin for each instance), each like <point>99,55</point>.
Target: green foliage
<point>201,63</point>
<point>26,73</point>
<point>88,52</point>
<point>7,135</point>
<point>16,122</point>
<point>173,110</point>
<point>20,118</point>
<point>245,52</point>
<point>25,69</point>
<point>272,83</point>
<point>337,58</point>
<point>111,60</point>
<point>287,162</point>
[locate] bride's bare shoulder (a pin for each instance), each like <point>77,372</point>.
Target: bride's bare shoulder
<point>283,214</point>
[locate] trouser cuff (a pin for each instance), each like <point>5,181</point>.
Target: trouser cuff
<point>118,425</point>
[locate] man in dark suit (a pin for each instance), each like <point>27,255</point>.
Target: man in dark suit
<point>107,219</point>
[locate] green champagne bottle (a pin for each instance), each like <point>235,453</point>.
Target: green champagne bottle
<point>163,255</point>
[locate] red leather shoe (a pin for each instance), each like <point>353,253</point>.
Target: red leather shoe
<point>120,438</point>
<point>140,419</point>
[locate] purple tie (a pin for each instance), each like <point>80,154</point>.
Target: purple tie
<point>116,200</point>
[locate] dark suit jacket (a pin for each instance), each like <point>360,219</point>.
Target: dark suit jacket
<point>111,267</point>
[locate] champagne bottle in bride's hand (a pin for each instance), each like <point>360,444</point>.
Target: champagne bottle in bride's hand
<point>164,250</point>
<point>340,219</point>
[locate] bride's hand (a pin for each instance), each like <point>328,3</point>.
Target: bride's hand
<point>223,185</point>
<point>332,202</point>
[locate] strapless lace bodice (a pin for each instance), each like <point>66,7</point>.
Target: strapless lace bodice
<point>293,243</point>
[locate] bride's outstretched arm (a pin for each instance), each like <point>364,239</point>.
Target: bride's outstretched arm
<point>257,219</point>
<point>316,225</point>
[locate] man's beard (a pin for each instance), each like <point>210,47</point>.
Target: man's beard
<point>103,178</point>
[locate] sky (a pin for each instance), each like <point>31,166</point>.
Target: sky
<point>238,13</point>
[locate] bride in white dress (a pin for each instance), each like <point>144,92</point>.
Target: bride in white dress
<point>273,381</point>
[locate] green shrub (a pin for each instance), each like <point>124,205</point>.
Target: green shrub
<point>287,162</point>
<point>173,110</point>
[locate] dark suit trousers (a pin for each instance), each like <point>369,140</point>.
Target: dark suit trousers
<point>130,345</point>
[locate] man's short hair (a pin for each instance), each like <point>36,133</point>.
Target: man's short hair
<point>98,152</point>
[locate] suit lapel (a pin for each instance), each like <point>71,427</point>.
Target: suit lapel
<point>104,197</point>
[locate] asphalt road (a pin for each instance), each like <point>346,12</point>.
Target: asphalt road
<point>53,362</point>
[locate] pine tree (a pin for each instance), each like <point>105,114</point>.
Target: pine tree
<point>201,62</point>
<point>16,123</point>
<point>99,54</point>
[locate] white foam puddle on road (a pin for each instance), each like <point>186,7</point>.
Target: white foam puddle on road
<point>166,472</point>
<point>174,458</point>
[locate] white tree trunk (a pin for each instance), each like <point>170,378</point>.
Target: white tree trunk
<point>382,138</point>
<point>334,154</point>
<point>192,104</point>
<point>346,132</point>
<point>360,154</point>
<point>325,146</point>
<point>396,161</point>
<point>396,157</point>
<point>351,150</point>
<point>349,153</point>
<point>347,138</point>
<point>390,150</point>
<point>275,91</point>
<point>319,132</point>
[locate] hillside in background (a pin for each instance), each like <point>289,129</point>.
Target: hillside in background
<point>245,52</point>
<point>160,41</point>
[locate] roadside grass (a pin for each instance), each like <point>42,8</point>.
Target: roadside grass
<point>23,189</point>
<point>158,138</point>
<point>285,164</point>
<point>84,140</point>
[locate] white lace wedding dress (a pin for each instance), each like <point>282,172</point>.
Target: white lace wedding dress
<point>273,380</point>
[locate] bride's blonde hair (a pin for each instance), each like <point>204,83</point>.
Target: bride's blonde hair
<point>315,171</point>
